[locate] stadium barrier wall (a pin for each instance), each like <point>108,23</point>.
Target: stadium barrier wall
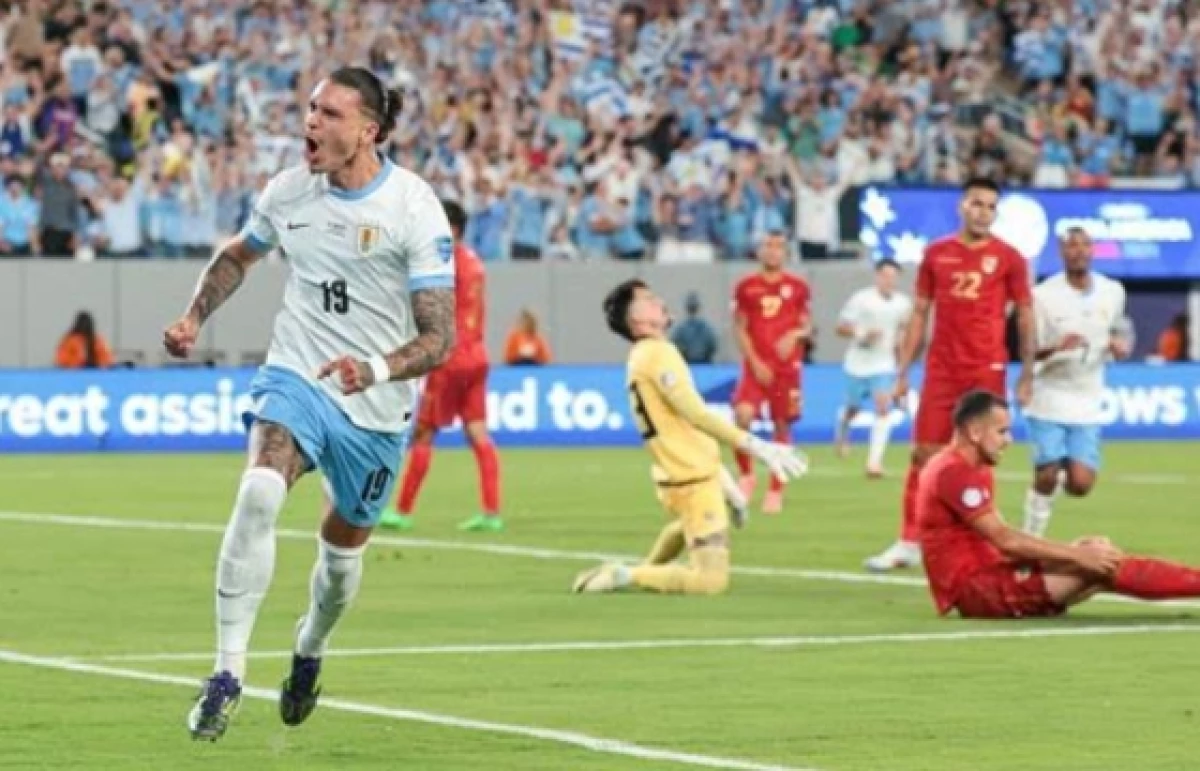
<point>133,300</point>
<point>189,410</point>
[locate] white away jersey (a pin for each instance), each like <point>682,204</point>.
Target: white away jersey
<point>355,256</point>
<point>869,309</point>
<point>1067,387</point>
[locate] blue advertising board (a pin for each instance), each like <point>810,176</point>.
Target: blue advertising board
<point>1137,234</point>
<point>186,410</point>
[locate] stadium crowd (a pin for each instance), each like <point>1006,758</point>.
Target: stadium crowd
<point>677,129</point>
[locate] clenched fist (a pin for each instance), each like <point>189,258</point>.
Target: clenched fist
<point>353,376</point>
<point>180,337</point>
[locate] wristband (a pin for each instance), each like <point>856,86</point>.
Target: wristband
<point>380,369</point>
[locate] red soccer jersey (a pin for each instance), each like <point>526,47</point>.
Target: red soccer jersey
<point>469,308</point>
<point>970,287</point>
<point>771,309</point>
<point>951,493</point>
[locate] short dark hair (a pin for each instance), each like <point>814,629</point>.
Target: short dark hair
<point>457,216</point>
<point>888,262</point>
<point>981,183</point>
<point>381,103</point>
<point>974,405</point>
<point>616,306</point>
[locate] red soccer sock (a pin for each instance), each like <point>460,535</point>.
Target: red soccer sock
<point>414,476</point>
<point>745,463</point>
<point>488,461</point>
<point>1151,579</point>
<point>908,529</point>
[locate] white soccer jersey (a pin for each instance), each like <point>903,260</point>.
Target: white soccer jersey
<point>355,255</point>
<point>869,309</point>
<point>1067,387</point>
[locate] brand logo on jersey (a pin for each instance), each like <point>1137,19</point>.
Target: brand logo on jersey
<point>989,264</point>
<point>335,229</point>
<point>972,497</point>
<point>786,292</point>
<point>368,239</point>
<point>297,225</point>
<point>445,248</point>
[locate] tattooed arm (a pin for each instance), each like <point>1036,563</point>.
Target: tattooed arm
<point>433,312</point>
<point>219,281</point>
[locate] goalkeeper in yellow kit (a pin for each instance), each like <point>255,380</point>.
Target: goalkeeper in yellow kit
<point>682,437</point>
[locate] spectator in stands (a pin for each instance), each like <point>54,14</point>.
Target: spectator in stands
<point>1099,150</point>
<point>61,209</point>
<point>120,208</point>
<point>561,247</point>
<point>18,220</point>
<point>1056,162</point>
<point>593,226</point>
<point>507,111</point>
<point>16,132</point>
<point>694,336</point>
<point>83,347</point>
<point>525,345</point>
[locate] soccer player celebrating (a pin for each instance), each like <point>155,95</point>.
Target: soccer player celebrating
<point>978,565</point>
<point>873,319</point>
<point>967,280</point>
<point>772,319</point>
<point>1078,313</point>
<point>368,309</point>
<point>682,437</point>
<point>457,390</point>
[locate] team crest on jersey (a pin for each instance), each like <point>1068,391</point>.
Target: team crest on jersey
<point>989,264</point>
<point>786,292</point>
<point>368,239</point>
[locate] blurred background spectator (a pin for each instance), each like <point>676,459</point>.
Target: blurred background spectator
<point>676,130</point>
<point>82,347</point>
<point>694,336</point>
<point>525,345</point>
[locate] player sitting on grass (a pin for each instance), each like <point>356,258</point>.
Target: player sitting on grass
<point>983,568</point>
<point>681,435</point>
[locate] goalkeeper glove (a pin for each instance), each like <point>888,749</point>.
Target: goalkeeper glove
<point>783,461</point>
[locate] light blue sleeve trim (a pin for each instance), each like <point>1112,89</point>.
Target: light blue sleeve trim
<point>256,243</point>
<point>430,282</point>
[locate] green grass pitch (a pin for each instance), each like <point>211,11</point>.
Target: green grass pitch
<point>467,652</point>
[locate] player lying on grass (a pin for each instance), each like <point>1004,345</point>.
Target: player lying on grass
<point>682,437</point>
<point>978,565</point>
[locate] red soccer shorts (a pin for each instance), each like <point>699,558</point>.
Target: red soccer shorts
<point>1006,591</point>
<point>783,398</point>
<point>934,423</point>
<point>457,391</point>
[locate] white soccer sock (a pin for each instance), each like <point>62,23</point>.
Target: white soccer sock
<point>843,427</point>
<point>335,581</point>
<point>246,564</point>
<point>881,431</point>
<point>1038,509</point>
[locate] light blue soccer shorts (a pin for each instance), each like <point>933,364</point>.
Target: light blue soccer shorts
<point>862,390</point>
<point>359,465</point>
<point>1057,442</point>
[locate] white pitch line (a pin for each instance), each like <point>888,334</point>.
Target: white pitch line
<point>507,550</point>
<point>900,638</point>
<point>572,738</point>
